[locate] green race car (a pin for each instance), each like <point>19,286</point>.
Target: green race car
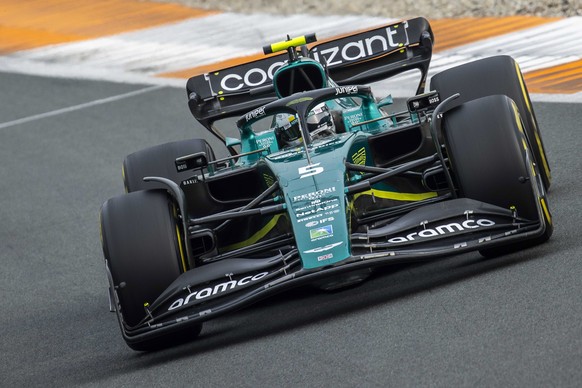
<point>326,181</point>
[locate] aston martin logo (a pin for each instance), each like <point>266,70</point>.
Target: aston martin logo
<point>325,248</point>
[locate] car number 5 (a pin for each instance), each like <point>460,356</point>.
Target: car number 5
<point>312,169</point>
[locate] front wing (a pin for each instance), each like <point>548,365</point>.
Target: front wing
<point>432,231</point>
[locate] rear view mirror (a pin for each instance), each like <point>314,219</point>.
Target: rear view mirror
<point>191,162</point>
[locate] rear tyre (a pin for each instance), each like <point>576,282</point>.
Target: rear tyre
<point>487,152</point>
<point>160,161</point>
<point>142,253</point>
<point>490,76</point>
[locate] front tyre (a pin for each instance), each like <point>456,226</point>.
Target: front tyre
<point>488,151</point>
<point>142,253</point>
<point>491,76</point>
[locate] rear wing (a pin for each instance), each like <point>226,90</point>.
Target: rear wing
<point>379,53</point>
<point>360,58</point>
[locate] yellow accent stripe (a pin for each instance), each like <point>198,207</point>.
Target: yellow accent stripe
<point>543,154</point>
<point>397,196</point>
<point>546,211</point>
<point>533,170</point>
<point>522,84</point>
<point>523,139</point>
<point>517,120</point>
<point>181,250</point>
<point>178,235</point>
<point>123,177</point>
<point>255,237</point>
<point>536,134</point>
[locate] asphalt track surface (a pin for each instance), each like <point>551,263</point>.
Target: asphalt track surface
<point>462,321</point>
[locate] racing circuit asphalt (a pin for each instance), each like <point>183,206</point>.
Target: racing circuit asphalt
<point>462,321</point>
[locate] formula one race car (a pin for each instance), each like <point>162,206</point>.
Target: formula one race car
<point>325,183</point>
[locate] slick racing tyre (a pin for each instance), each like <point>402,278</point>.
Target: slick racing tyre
<point>490,76</point>
<point>160,161</point>
<point>487,152</point>
<point>141,246</point>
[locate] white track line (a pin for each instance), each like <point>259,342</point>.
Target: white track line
<point>79,107</point>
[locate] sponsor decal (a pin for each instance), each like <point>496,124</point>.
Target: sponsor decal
<point>216,290</point>
<point>318,222</point>
<point>434,100</point>
<point>189,182</point>
<point>417,105</point>
<point>317,210</point>
<point>442,230</point>
<point>321,232</point>
<point>252,78</point>
<point>324,248</point>
<point>384,39</point>
<point>300,220</point>
<point>325,144</point>
<point>265,142</point>
<point>355,118</point>
<point>424,101</point>
<point>314,194</point>
<point>260,111</point>
<point>325,257</point>
<point>350,49</point>
<point>346,90</point>
<point>286,154</point>
<point>316,203</point>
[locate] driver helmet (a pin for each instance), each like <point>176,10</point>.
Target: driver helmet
<point>288,130</point>
<point>320,123</point>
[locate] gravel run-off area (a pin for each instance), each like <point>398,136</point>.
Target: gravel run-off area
<point>432,9</point>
